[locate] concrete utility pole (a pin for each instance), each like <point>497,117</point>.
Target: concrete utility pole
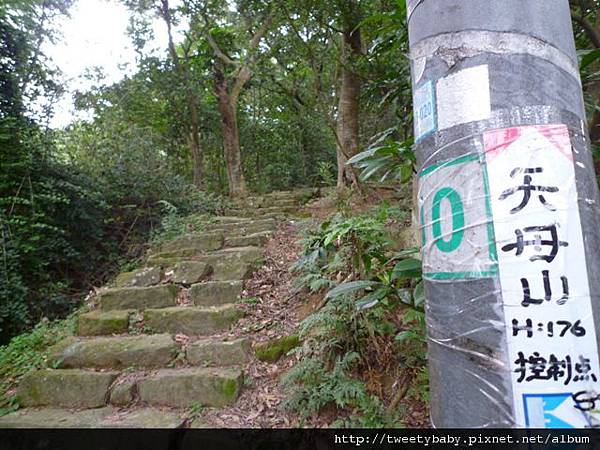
<point>509,211</point>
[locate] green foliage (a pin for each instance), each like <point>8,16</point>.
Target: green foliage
<point>326,173</point>
<point>27,352</point>
<point>174,223</point>
<point>356,318</point>
<point>390,160</point>
<point>319,387</point>
<point>341,246</point>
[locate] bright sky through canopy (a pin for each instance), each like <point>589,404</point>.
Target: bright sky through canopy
<point>94,36</point>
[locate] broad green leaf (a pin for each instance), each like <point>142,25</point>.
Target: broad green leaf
<point>419,295</point>
<point>351,286</point>
<point>408,268</point>
<point>588,57</point>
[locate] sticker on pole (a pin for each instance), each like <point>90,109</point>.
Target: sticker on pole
<point>424,110</point>
<point>463,97</point>
<point>456,223</point>
<point>551,336</point>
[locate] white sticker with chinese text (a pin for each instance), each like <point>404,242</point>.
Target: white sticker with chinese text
<point>550,329</point>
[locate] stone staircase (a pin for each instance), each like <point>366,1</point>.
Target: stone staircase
<point>157,343</point>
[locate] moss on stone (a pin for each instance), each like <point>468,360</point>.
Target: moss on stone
<point>145,277</point>
<point>274,349</point>
<point>138,298</point>
<point>99,323</point>
<point>230,389</point>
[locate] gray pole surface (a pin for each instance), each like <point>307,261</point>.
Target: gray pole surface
<point>509,210</point>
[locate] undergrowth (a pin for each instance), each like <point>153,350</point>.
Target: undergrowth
<point>364,351</point>
<point>174,223</point>
<point>27,352</point>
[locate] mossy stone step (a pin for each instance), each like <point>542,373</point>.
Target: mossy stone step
<point>222,353</point>
<point>193,321</point>
<point>98,323</point>
<point>143,418</point>
<point>123,393</point>
<point>138,297</point>
<point>186,253</point>
<point>147,276</point>
<point>301,194</point>
<point>106,417</point>
<point>228,219</point>
<point>115,352</point>
<point>222,269</point>
<point>185,387</point>
<point>55,418</point>
<point>272,211</point>
<point>233,263</point>
<point>244,228</point>
<point>189,272</point>
<point>249,254</point>
<point>66,388</point>
<point>201,242</point>
<point>265,202</point>
<point>255,239</point>
<point>215,293</point>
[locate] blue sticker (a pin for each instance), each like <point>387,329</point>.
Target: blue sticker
<point>424,110</point>
<point>551,411</point>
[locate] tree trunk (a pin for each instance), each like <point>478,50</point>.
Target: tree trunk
<point>348,108</point>
<point>231,137</point>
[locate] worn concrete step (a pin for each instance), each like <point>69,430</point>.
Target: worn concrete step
<point>98,323</point>
<point>66,387</point>
<point>107,417</point>
<point>138,297</point>
<point>191,320</point>
<point>120,352</point>
<point>255,240</point>
<point>145,277</point>
<point>217,352</point>
<point>215,293</point>
<point>185,387</point>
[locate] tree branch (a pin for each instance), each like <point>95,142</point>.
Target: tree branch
<point>215,47</point>
<point>244,72</point>
<point>589,29</point>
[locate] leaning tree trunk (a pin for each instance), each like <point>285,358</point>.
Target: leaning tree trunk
<point>348,108</point>
<point>231,139</point>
